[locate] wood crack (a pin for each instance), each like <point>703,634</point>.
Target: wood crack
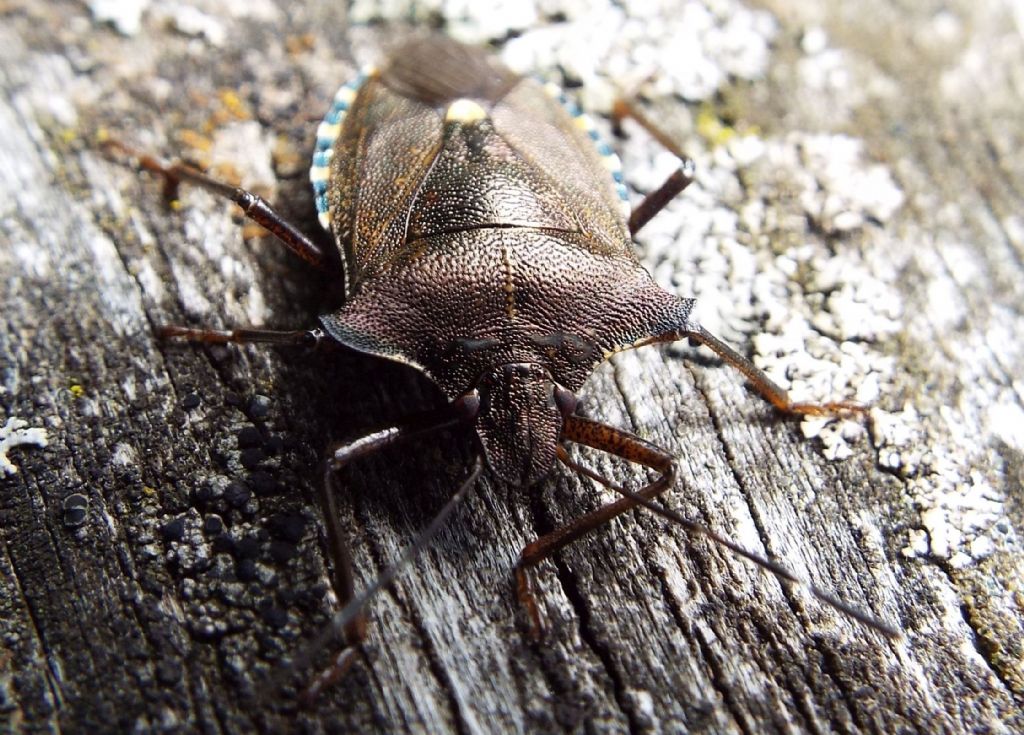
<point>593,641</point>
<point>764,537</point>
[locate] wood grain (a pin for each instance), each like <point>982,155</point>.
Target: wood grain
<point>199,571</point>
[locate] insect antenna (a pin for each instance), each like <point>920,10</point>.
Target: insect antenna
<point>780,571</point>
<point>355,606</point>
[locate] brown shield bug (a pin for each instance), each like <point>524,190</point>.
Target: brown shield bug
<point>486,241</point>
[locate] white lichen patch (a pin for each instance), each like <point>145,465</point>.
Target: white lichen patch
<point>124,455</point>
<point>124,15</point>
<point>898,440</point>
<point>189,20</point>
<point>35,262</point>
<point>691,51</point>
<point>841,189</point>
<point>751,243</point>
<point>963,517</point>
<point>192,551</point>
<point>984,63</point>
<point>15,434</point>
<point>835,436</point>
<point>689,48</point>
<point>1004,419</point>
<point>245,147</point>
<point>824,70</point>
<point>193,297</point>
<point>121,302</point>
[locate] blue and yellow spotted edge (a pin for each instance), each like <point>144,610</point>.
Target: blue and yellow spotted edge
<point>585,123</point>
<point>328,131</point>
<point>326,135</point>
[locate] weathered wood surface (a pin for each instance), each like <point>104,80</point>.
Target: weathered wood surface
<point>150,616</point>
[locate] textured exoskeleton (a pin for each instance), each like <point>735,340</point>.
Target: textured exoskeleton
<point>486,244</point>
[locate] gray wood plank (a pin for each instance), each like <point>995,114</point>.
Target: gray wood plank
<point>855,228</point>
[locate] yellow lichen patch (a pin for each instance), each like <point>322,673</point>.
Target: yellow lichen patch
<point>195,140</point>
<point>711,128</point>
<point>300,44</point>
<point>251,231</point>
<point>233,104</point>
<point>76,390</point>
<point>230,107</point>
<point>287,159</point>
<point>227,173</point>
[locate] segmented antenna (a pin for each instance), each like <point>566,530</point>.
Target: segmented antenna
<point>886,629</point>
<point>356,605</point>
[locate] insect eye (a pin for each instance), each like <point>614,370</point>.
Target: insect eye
<point>467,406</point>
<point>565,399</point>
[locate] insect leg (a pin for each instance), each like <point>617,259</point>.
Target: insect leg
<point>296,338</point>
<point>614,441</point>
<point>337,459</point>
<point>675,183</point>
<point>764,385</point>
<point>632,448</point>
<point>608,439</point>
<point>350,619</point>
<point>253,206</point>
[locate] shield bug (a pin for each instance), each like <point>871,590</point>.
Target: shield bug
<point>486,241</point>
